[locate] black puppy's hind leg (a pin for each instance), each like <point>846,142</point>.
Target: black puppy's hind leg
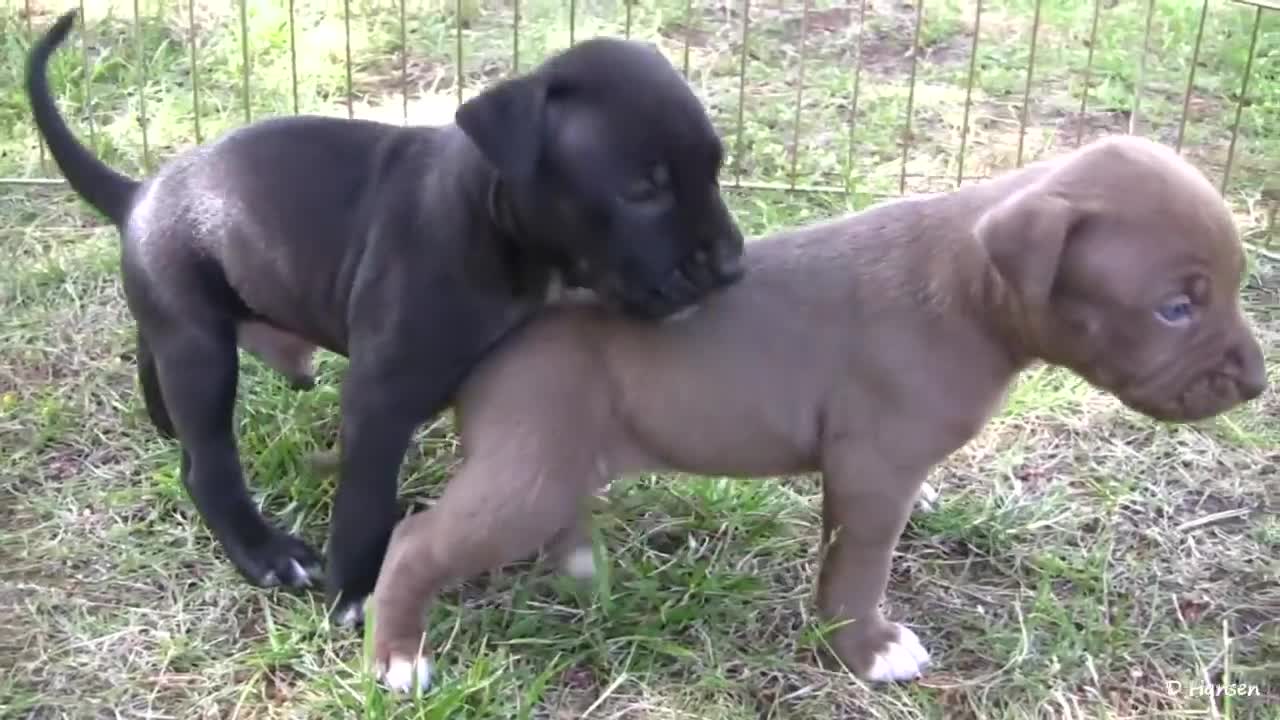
<point>197,367</point>
<point>149,380</point>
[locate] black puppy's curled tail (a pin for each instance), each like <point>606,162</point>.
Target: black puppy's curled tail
<point>109,192</point>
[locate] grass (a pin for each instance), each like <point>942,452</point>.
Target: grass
<point>1081,558</point>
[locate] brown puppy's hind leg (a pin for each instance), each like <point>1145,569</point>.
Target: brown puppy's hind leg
<point>498,509</point>
<point>865,506</point>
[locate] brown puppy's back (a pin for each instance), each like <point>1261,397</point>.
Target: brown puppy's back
<point>756,371</point>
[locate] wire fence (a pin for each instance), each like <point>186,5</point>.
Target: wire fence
<point>887,112</point>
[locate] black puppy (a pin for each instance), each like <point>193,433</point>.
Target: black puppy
<point>412,251</point>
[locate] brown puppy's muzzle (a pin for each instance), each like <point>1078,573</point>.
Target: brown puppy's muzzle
<point>1238,376</point>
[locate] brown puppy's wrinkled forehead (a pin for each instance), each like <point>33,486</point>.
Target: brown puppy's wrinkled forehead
<point>1147,188</point>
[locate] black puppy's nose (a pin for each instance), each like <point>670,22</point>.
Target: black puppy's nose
<point>732,269</point>
<point>726,261</point>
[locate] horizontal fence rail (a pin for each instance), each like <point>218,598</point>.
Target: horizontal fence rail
<point>866,97</point>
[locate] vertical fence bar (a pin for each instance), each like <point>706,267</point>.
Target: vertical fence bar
<point>1026,91</point>
<point>1191,76</point>
<point>1088,72</point>
<point>195,71</point>
<point>795,128</point>
<point>515,36</point>
<point>346,30</point>
<point>458,47</point>
<point>968,92</point>
<point>627,30</point>
<point>573,20</point>
<point>404,66</point>
<point>31,36</point>
<point>742,93</point>
<point>853,101</point>
<point>244,57</point>
<point>1271,194</point>
<point>88,77</point>
<point>1142,68</point>
<point>293,57</point>
<point>688,33</point>
<point>1244,94</point>
<point>907,138</point>
<point>142,82</point>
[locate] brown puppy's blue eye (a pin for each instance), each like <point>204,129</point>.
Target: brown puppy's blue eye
<point>1175,312</point>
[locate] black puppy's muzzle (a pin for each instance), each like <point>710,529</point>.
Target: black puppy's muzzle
<point>699,275</point>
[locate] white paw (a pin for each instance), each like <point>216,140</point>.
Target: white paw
<point>580,564</point>
<point>305,576</point>
<point>927,499</point>
<point>903,659</point>
<point>297,576</point>
<point>350,616</point>
<point>401,673</point>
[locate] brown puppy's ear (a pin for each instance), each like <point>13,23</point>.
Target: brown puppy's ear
<point>1024,236</point>
<point>506,123</point>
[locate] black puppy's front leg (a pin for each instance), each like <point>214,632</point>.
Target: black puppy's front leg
<point>376,428</point>
<point>405,366</point>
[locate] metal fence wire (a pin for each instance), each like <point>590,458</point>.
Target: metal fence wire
<point>864,29</point>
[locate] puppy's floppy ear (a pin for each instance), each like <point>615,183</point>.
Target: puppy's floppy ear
<point>1024,235</point>
<point>506,123</point>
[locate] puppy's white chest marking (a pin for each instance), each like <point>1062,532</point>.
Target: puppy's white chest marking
<point>682,314</point>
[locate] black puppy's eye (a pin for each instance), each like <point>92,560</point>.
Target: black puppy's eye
<point>647,188</point>
<point>1176,311</point>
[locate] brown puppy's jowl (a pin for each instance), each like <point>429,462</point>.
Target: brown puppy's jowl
<point>868,348</point>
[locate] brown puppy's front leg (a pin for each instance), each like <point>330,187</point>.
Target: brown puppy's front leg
<point>493,512</point>
<point>865,506</point>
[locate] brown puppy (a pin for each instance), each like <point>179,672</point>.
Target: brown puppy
<point>868,348</point>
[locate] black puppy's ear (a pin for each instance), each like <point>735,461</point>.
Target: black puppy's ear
<point>1025,235</point>
<point>506,123</point>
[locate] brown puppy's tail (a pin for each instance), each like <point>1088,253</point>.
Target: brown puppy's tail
<point>109,192</point>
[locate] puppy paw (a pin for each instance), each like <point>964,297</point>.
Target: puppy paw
<point>927,499</point>
<point>348,614</point>
<point>323,462</point>
<point>901,659</point>
<point>301,382</point>
<point>579,563</point>
<point>280,560</point>
<point>403,673</point>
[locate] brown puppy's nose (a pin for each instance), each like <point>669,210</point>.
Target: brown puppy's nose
<point>1252,380</point>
